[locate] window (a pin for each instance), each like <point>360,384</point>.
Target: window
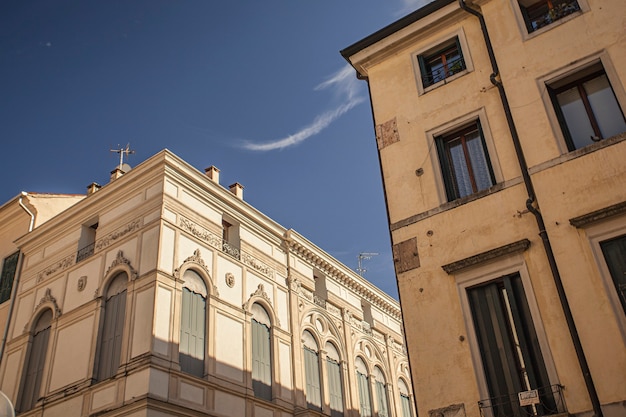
<point>87,241</point>
<point>509,347</point>
<point>312,371</point>
<point>335,384</point>
<point>36,360</point>
<point>321,293</point>
<point>261,353</point>
<point>381,393</point>
<point>586,107</point>
<point>440,63</point>
<point>113,327</point>
<point>192,324</point>
<point>464,161</point>
<point>540,13</point>
<point>230,238</point>
<point>405,400</point>
<point>9,266</point>
<point>363,382</point>
<point>614,251</point>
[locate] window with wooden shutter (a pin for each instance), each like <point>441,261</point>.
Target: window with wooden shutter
<point>335,384</point>
<point>191,346</point>
<point>365,398</point>
<point>405,401</point>
<point>312,371</point>
<point>113,327</point>
<point>381,393</point>
<point>261,353</point>
<point>36,362</point>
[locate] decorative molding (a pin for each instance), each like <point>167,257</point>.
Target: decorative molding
<point>197,260</point>
<point>230,279</point>
<point>82,283</point>
<point>595,216</point>
<point>121,260</point>
<point>519,246</point>
<point>257,265</point>
<point>260,293</point>
<point>59,265</point>
<point>49,299</point>
<point>118,234</point>
<point>200,233</point>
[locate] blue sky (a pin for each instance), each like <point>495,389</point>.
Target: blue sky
<point>257,88</point>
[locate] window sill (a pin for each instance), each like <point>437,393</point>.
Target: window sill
<point>443,82</point>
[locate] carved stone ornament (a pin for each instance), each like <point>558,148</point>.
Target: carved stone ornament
<point>230,279</point>
<point>82,283</point>
<point>121,260</point>
<point>196,258</point>
<point>51,301</point>
<point>259,293</point>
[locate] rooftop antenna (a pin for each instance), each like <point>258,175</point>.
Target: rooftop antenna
<point>364,256</point>
<point>123,151</point>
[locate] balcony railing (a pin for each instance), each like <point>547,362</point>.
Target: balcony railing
<point>231,250</point>
<point>550,402</point>
<point>548,13</point>
<point>85,252</point>
<point>441,72</point>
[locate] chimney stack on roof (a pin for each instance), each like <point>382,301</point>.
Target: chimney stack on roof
<point>93,187</point>
<point>213,173</point>
<point>237,189</point>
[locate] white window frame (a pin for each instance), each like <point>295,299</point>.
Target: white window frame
<point>489,272</point>
<point>469,66</point>
<point>521,24</point>
<point>570,70</point>
<point>597,233</point>
<point>451,126</point>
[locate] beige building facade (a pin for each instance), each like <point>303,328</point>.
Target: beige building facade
<point>164,293</point>
<point>500,128</point>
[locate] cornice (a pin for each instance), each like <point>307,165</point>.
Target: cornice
<point>350,280</point>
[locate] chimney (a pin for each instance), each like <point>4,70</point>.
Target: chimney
<point>93,187</point>
<point>116,173</point>
<point>237,189</point>
<point>213,173</point>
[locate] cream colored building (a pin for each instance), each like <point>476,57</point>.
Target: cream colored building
<point>164,293</point>
<point>500,128</point>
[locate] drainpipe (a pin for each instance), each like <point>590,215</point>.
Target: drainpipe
<point>533,206</point>
<point>16,280</point>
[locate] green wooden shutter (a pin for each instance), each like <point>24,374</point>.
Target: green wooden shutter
<point>261,361</point>
<point>111,340</point>
<point>365,400</point>
<point>36,362</point>
<point>312,374</point>
<point>8,275</point>
<point>406,406</point>
<point>335,388</point>
<point>446,169</point>
<point>381,394</point>
<point>192,333</point>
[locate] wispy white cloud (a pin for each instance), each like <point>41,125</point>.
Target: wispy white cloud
<point>409,6</point>
<point>345,85</point>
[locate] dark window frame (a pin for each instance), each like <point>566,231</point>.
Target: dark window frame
<point>554,93</point>
<point>440,55</point>
<point>9,270</point>
<point>445,159</point>
<point>543,13</point>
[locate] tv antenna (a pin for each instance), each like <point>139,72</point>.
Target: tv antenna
<point>364,256</point>
<point>123,151</point>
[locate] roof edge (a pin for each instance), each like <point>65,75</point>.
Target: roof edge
<point>394,27</point>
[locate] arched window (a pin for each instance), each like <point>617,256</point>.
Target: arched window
<point>36,361</point>
<point>113,327</point>
<point>381,393</point>
<point>335,385</point>
<point>261,353</point>
<point>365,398</point>
<point>405,401</point>
<point>312,371</point>
<point>192,324</point>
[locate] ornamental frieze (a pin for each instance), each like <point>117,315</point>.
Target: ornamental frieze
<point>257,265</point>
<point>200,233</point>
<point>118,234</point>
<point>56,267</point>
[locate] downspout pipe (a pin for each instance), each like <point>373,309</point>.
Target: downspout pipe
<point>533,207</point>
<point>16,280</point>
